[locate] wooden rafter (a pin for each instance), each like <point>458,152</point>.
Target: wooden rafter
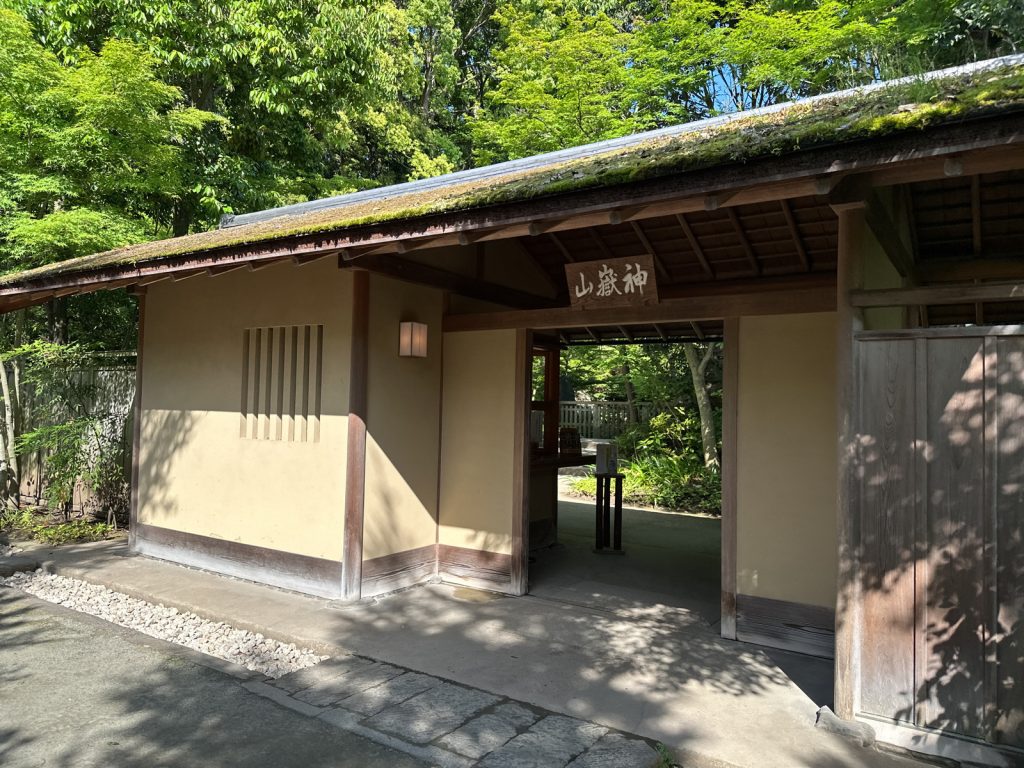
<point>523,248</point>
<point>976,215</point>
<point>561,247</point>
<point>979,308</point>
<point>625,332</point>
<point>661,332</point>
<point>695,245</point>
<point>649,248</point>
<point>888,236</point>
<point>602,246</point>
<point>590,332</point>
<point>697,331</point>
<point>794,232</point>
<point>465,285</point>
<point>748,249</point>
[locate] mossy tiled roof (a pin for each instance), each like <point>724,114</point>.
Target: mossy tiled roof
<point>880,110</point>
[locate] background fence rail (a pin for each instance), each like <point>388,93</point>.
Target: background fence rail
<point>602,419</point>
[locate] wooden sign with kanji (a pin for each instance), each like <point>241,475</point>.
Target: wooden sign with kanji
<point>629,282</point>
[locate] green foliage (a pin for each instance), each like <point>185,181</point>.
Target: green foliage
<point>82,441</point>
<point>664,480</point>
<point>73,531</point>
<point>563,80</point>
<point>38,525</point>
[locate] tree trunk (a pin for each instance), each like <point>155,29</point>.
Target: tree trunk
<point>708,436</point>
<point>631,413</point>
<point>12,482</point>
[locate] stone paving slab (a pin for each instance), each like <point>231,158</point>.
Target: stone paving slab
<point>613,750</point>
<point>389,693</point>
<point>449,725</point>
<point>554,741</point>
<point>489,731</point>
<point>321,673</point>
<point>343,686</point>
<point>433,713</point>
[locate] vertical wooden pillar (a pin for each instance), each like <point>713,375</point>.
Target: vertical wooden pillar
<point>730,436</point>
<point>355,471</point>
<point>133,509</point>
<point>849,321</point>
<point>521,463</point>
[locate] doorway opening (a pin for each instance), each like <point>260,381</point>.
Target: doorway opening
<point>654,397</point>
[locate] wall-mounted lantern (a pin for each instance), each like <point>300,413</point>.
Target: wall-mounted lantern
<point>412,340</point>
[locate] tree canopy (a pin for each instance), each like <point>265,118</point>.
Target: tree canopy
<point>125,121</point>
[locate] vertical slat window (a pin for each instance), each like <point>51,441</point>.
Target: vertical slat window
<point>282,369</point>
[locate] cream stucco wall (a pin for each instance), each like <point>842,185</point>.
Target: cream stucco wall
<point>403,422</point>
<point>478,422</point>
<point>786,458</point>
<point>197,474</point>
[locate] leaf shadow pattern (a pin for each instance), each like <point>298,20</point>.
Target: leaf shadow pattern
<point>938,572</point>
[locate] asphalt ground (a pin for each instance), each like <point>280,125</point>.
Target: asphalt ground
<point>78,691</point>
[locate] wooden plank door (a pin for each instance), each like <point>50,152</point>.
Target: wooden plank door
<point>939,519</point>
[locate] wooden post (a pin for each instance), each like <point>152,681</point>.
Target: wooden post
<point>730,431</point>
<point>849,320</point>
<point>133,510</point>
<point>521,463</point>
<point>355,471</point>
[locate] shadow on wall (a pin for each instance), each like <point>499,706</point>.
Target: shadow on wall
<point>164,433</point>
<point>940,466</point>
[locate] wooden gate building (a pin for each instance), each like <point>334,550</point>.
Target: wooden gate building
<point>862,256</point>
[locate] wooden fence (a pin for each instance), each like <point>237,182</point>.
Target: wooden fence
<point>110,392</point>
<point>599,419</point>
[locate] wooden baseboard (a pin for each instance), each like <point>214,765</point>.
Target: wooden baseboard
<point>942,745</point>
<point>475,568</point>
<point>790,626</point>
<point>399,570</point>
<point>300,573</point>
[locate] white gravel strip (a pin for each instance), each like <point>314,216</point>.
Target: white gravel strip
<point>249,649</point>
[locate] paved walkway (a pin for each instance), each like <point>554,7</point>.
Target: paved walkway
<point>635,667</point>
<point>447,724</point>
<point>78,692</point>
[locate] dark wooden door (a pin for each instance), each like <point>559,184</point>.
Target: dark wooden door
<point>939,458</point>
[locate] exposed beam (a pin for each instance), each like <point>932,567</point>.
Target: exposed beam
<point>602,246</point>
<point>697,331</point>
<point>645,241</point>
<point>979,310</point>
<point>555,287</point>
<point>593,335</point>
<point>179,276</point>
<point>469,238</point>
<point>885,231</point>
<point>465,285</point>
<point>214,271</point>
<point>561,247</point>
<point>794,232</point>
<point>748,249</point>
<point>798,281</point>
<point>682,310</point>
<point>257,266</point>
<point>969,268</point>
<point>661,332</point>
<point>626,333</point>
<point>939,294</point>
<point>695,245</point>
<point>424,243</point>
<point>976,215</point>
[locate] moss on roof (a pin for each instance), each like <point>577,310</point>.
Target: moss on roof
<point>802,125</point>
